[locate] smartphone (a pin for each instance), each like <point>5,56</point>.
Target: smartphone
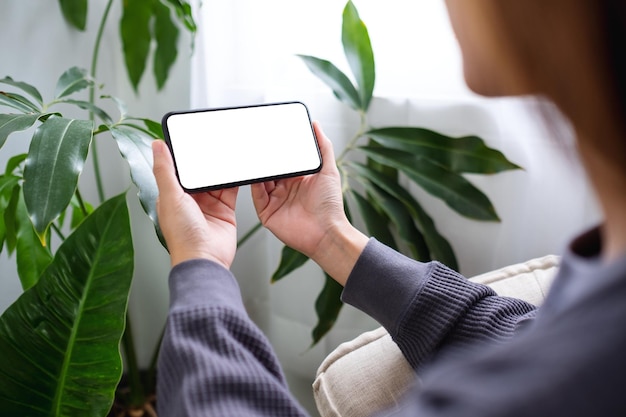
<point>227,147</point>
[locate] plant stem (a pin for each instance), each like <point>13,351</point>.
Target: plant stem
<point>345,186</point>
<point>249,234</point>
<point>92,98</point>
<point>150,381</point>
<point>57,231</point>
<point>81,203</point>
<point>134,379</point>
<point>352,143</point>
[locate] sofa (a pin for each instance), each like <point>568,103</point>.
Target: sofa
<point>369,373</point>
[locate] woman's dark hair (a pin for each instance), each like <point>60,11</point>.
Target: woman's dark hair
<point>615,22</point>
<point>574,52</point>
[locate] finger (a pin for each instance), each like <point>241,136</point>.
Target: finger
<point>163,169</point>
<point>326,146</point>
<point>229,196</point>
<point>260,196</point>
<point>213,202</point>
<point>270,186</point>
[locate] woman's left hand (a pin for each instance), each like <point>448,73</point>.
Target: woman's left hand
<point>194,226</point>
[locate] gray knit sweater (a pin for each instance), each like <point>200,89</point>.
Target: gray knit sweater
<point>478,354</point>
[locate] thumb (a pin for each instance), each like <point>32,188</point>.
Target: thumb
<point>326,149</point>
<point>163,169</point>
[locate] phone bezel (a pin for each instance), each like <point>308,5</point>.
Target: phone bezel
<point>291,174</point>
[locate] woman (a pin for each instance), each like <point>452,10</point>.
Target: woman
<point>564,359</point>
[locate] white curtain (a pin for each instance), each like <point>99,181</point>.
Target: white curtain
<point>246,53</point>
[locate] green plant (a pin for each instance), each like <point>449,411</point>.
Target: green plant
<point>60,341</point>
<point>428,159</point>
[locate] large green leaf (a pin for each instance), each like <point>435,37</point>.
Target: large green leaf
<point>8,183</point>
<point>392,173</point>
<point>31,256</point>
<point>401,218</point>
<point>10,216</point>
<point>166,36</point>
<point>457,192</point>
<point>155,128</point>
<point>467,154</point>
<point>86,105</point>
<point>151,127</point>
<point>28,88</point>
<point>2,229</point>
<point>148,20</point>
<point>59,342</point>
<point>8,100</point>
<point>10,123</point>
<point>80,211</point>
<point>121,107</point>
<point>337,81</point>
<point>136,147</point>
<point>183,12</point>
<point>327,306</point>
<point>14,163</point>
<point>438,246</point>
<point>72,81</point>
<point>358,50</point>
<point>75,12</point>
<point>18,102</point>
<point>377,225</point>
<point>136,37</point>
<point>290,260</point>
<point>55,160</point>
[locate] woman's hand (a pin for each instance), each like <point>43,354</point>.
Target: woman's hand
<point>307,214</point>
<point>198,226</point>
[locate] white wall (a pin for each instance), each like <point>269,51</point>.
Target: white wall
<point>37,47</point>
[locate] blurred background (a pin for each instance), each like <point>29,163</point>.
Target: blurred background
<point>245,53</point>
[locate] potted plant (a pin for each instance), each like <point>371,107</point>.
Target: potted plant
<point>60,340</point>
<point>374,189</point>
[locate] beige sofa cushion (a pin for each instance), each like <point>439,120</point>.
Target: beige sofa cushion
<point>370,373</point>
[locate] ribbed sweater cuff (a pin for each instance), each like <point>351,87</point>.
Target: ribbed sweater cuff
<point>200,282</point>
<point>383,284</point>
<point>442,302</point>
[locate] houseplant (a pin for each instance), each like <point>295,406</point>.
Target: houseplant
<point>59,342</point>
<point>378,166</point>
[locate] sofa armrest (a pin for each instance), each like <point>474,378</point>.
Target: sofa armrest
<point>370,373</point>
<point>349,379</point>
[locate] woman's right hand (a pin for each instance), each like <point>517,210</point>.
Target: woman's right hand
<point>307,214</point>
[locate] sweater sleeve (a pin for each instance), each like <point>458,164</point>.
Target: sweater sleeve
<point>213,359</point>
<point>428,308</point>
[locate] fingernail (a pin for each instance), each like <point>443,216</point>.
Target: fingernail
<point>156,147</point>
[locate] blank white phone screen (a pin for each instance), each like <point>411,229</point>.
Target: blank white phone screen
<point>225,147</point>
